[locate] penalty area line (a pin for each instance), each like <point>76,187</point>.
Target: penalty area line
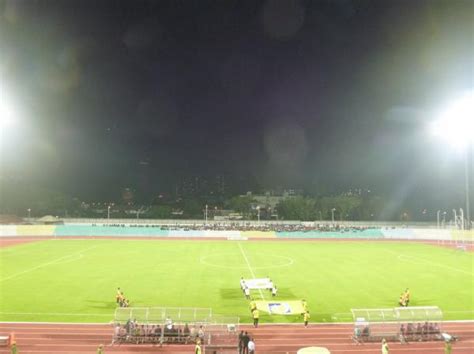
<point>55,261</point>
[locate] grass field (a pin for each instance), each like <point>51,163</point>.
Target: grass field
<point>76,280</point>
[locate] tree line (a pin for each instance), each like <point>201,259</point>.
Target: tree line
<point>38,202</point>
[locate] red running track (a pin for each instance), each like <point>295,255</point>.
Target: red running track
<point>36,338</point>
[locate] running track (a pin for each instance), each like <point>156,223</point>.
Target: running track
<point>273,339</point>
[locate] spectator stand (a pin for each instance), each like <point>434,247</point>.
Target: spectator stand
<point>402,324</point>
<point>173,325</point>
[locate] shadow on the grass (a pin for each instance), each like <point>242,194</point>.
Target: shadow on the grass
<point>101,304</point>
<point>231,293</point>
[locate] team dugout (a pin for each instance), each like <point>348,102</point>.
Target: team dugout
<point>160,325</point>
<point>402,324</point>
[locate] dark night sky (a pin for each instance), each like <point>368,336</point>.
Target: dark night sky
<point>323,95</point>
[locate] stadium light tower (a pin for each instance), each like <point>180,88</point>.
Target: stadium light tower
<point>332,214</point>
<point>455,125</point>
<point>7,117</point>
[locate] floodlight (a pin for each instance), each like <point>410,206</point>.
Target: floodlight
<point>455,124</point>
<point>7,118</point>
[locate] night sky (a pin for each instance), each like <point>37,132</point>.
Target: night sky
<point>319,95</point>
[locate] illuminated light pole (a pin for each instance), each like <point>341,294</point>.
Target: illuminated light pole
<point>258,214</point>
<point>332,214</point>
<point>108,212</point>
<point>29,213</point>
<point>456,126</point>
<point>205,214</point>
<point>437,218</point>
<point>7,117</point>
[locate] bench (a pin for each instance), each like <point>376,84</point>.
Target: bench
<point>4,340</point>
<point>389,337</point>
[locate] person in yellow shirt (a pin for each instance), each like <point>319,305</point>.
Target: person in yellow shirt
<point>197,348</point>
<point>118,296</point>
<point>305,306</point>
<point>402,300</point>
<point>253,306</point>
<point>306,318</point>
<point>100,350</point>
<point>407,296</point>
<point>255,315</point>
<point>13,348</point>
<point>385,347</point>
<point>447,347</point>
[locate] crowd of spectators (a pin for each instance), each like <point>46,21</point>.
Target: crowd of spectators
<point>137,333</point>
<point>265,227</point>
<point>250,227</point>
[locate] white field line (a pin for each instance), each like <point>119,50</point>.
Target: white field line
<point>400,256</point>
<point>250,268</point>
<point>46,264</point>
<point>338,315</point>
<point>54,314</point>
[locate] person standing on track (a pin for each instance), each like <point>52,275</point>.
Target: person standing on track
<point>256,316</point>
<point>447,347</point>
<point>197,348</point>
<point>14,349</point>
<point>385,348</point>
<point>245,343</point>
<point>100,350</point>
<point>241,342</point>
<point>251,346</point>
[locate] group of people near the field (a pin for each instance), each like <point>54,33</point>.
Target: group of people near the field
<point>404,299</point>
<point>246,290</point>
<point>246,343</point>
<point>419,331</point>
<point>121,300</point>
<point>135,332</point>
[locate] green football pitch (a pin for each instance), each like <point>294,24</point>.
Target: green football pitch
<point>76,280</point>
